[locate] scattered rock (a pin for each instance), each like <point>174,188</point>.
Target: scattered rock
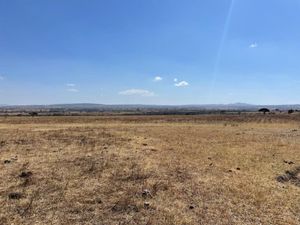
<point>15,195</point>
<point>146,193</point>
<point>7,161</point>
<point>25,174</point>
<point>210,164</point>
<point>209,158</point>
<point>229,171</point>
<point>238,168</point>
<point>282,179</point>
<point>191,207</point>
<point>288,162</point>
<point>144,144</point>
<point>292,176</point>
<point>147,205</point>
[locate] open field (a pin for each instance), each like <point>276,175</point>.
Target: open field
<point>150,170</point>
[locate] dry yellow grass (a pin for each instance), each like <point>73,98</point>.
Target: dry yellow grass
<point>150,170</point>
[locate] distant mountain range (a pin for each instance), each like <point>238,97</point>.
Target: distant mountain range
<point>103,107</point>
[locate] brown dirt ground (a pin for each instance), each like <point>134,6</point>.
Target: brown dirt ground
<point>149,170</point>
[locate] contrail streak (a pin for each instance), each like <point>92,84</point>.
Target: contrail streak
<point>220,50</point>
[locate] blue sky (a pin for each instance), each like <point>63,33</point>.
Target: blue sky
<point>149,51</point>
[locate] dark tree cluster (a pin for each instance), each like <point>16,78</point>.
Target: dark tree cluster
<point>264,110</point>
<point>33,114</point>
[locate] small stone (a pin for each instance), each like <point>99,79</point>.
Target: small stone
<point>15,195</point>
<point>25,174</point>
<point>288,162</point>
<point>147,205</point>
<point>238,168</point>
<point>282,179</point>
<point>191,207</point>
<point>146,193</point>
<point>7,161</point>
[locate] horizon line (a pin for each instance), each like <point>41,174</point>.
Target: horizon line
<point>140,104</point>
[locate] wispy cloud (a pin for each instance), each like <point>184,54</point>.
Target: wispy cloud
<point>157,78</point>
<point>72,87</point>
<point>181,84</point>
<point>253,45</point>
<point>175,80</point>
<point>72,90</point>
<point>1,77</point>
<point>137,92</point>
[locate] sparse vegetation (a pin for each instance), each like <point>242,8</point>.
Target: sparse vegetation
<point>210,169</point>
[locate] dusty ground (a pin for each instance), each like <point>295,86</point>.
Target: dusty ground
<point>150,170</point>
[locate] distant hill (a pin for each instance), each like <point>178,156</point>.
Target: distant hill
<point>103,107</point>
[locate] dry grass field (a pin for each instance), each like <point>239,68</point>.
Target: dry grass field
<point>150,170</point>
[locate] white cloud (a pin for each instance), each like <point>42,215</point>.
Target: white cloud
<point>138,92</point>
<point>1,77</point>
<point>73,90</point>
<point>157,78</point>
<point>72,87</point>
<point>175,80</point>
<point>253,45</point>
<point>181,84</point>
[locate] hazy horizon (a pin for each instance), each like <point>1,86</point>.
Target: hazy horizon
<point>237,104</point>
<point>149,52</point>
